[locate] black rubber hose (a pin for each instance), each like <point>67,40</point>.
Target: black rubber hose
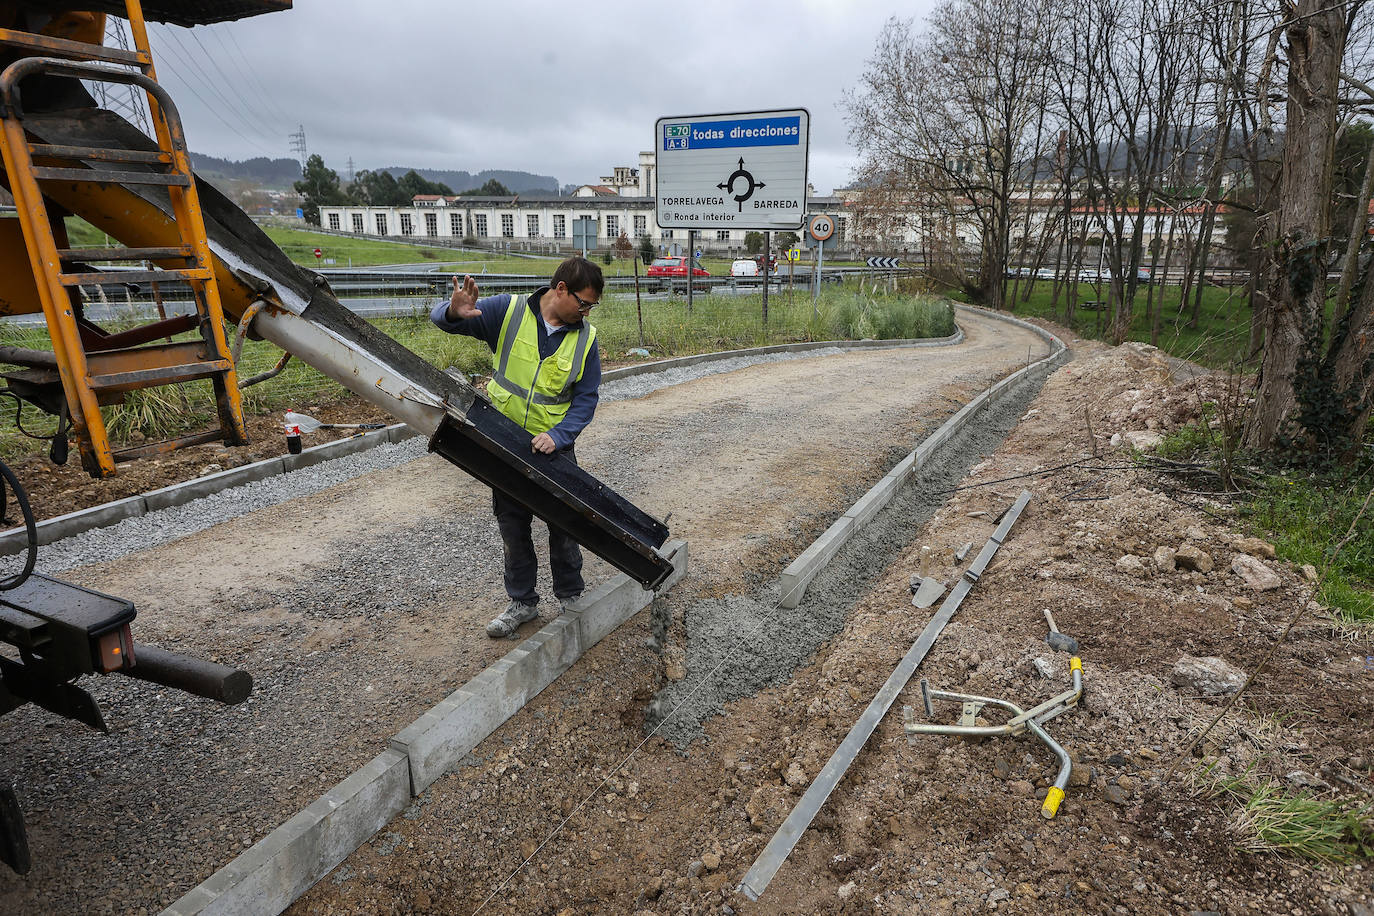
<point>30,526</point>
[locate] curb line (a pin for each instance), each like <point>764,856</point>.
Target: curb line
<point>15,540</point>
<point>799,573</point>
<point>286,863</point>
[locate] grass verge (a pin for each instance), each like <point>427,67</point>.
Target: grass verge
<point>1219,339</point>
<point>1305,515</point>
<point>1271,819</point>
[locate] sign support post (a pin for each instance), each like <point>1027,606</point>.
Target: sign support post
<point>639,307</point>
<point>767,257</point>
<point>820,227</point>
<point>691,264</point>
<point>816,281</point>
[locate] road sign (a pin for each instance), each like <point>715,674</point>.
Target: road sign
<point>319,253</point>
<point>884,263</point>
<point>698,252</point>
<point>793,254</point>
<point>821,226</point>
<point>584,233</point>
<point>744,170</point>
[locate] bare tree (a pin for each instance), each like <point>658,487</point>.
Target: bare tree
<point>1315,34</point>
<point>948,115</point>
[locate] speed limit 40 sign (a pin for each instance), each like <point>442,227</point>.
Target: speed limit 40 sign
<point>821,226</point>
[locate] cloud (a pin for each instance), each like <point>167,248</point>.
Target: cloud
<point>569,90</point>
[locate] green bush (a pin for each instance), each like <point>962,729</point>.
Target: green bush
<point>1306,516</point>
<point>859,317</point>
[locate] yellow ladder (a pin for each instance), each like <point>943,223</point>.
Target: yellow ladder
<point>97,368</point>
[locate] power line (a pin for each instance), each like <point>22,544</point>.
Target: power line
<point>253,74</point>
<point>214,109</point>
<point>186,60</point>
<point>262,105</point>
<point>230,84</point>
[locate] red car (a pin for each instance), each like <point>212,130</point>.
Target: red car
<point>675,267</point>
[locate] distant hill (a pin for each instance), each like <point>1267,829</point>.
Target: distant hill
<point>280,173</point>
<point>459,181</point>
<point>272,173</point>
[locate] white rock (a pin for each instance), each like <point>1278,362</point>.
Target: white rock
<point>847,890</point>
<point>1210,676</point>
<point>1131,565</point>
<point>1143,440</point>
<point>1164,558</point>
<point>1256,575</point>
<point>1044,667</point>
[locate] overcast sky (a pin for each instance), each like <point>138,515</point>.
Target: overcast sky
<point>563,89</point>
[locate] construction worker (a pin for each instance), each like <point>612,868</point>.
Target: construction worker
<point>546,372</point>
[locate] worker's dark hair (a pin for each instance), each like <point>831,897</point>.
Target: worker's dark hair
<point>579,274</point>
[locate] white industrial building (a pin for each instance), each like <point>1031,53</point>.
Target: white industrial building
<point>622,204</point>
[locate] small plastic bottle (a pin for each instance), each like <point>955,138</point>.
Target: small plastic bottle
<point>293,439</point>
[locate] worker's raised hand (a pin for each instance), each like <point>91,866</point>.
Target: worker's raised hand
<point>463,302</point>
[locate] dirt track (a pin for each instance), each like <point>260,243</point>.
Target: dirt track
<point>360,606</point>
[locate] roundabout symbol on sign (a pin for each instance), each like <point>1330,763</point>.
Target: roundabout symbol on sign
<point>750,185</point>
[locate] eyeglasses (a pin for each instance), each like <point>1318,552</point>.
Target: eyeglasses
<point>583,304</point>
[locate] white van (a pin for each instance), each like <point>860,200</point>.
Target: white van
<point>744,267</point>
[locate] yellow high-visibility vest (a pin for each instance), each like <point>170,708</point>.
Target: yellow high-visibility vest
<point>531,391</point>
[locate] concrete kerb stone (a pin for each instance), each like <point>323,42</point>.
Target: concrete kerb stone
<point>284,864</point>
<point>799,573</point>
<point>55,529</point>
<point>15,539</point>
<point>272,874</point>
<point>445,734</point>
<point>813,559</point>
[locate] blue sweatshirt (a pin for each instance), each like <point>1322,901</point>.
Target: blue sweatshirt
<point>487,327</point>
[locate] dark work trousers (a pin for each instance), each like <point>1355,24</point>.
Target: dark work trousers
<point>522,566</point>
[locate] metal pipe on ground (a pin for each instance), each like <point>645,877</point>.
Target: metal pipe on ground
<point>193,675</point>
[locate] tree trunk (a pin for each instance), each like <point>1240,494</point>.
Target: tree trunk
<point>1316,41</point>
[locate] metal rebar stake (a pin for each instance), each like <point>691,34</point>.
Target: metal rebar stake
<point>1031,720</point>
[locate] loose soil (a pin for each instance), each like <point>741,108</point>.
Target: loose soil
<point>55,489</point>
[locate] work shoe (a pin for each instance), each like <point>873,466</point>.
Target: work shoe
<point>511,619</point>
<point>571,603</point>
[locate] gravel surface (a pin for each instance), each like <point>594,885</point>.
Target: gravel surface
<point>104,544</point>
<point>637,386</point>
